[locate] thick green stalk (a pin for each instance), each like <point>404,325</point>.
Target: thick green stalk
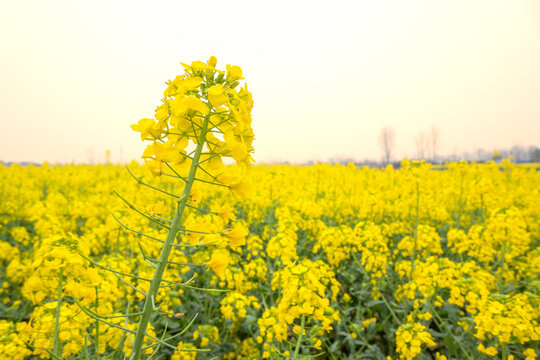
<point>167,246</point>
<point>299,342</point>
<point>56,351</point>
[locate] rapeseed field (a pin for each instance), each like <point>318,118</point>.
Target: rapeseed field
<point>360,263</point>
<point>183,257</point>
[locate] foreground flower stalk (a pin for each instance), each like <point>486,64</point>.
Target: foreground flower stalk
<point>201,108</point>
<point>149,303</point>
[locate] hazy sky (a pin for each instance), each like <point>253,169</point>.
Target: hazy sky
<point>325,76</point>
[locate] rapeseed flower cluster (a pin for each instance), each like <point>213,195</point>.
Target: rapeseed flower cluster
<point>202,92</point>
<point>306,291</point>
<point>12,345</point>
<point>410,338</point>
<point>509,318</point>
<point>234,306</point>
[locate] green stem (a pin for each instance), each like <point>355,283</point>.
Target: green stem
<point>150,186</point>
<point>56,351</point>
<point>442,325</point>
<point>415,228</point>
<point>501,273</point>
<point>297,349</point>
<point>86,354</point>
<point>211,182</point>
<point>97,329</point>
<point>390,309</point>
<point>167,246</point>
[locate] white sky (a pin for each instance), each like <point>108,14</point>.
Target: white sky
<point>325,76</point>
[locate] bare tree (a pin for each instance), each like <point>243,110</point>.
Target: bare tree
<point>519,153</point>
<point>421,145</point>
<point>433,142</point>
<point>387,140</point>
<point>427,143</point>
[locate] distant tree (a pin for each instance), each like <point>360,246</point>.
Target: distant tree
<point>455,155</point>
<point>90,156</point>
<point>421,145</point>
<point>519,153</point>
<point>433,142</point>
<point>427,143</point>
<point>387,140</point>
<point>482,155</point>
<point>534,154</point>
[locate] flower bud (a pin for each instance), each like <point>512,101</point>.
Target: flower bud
<point>212,61</point>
